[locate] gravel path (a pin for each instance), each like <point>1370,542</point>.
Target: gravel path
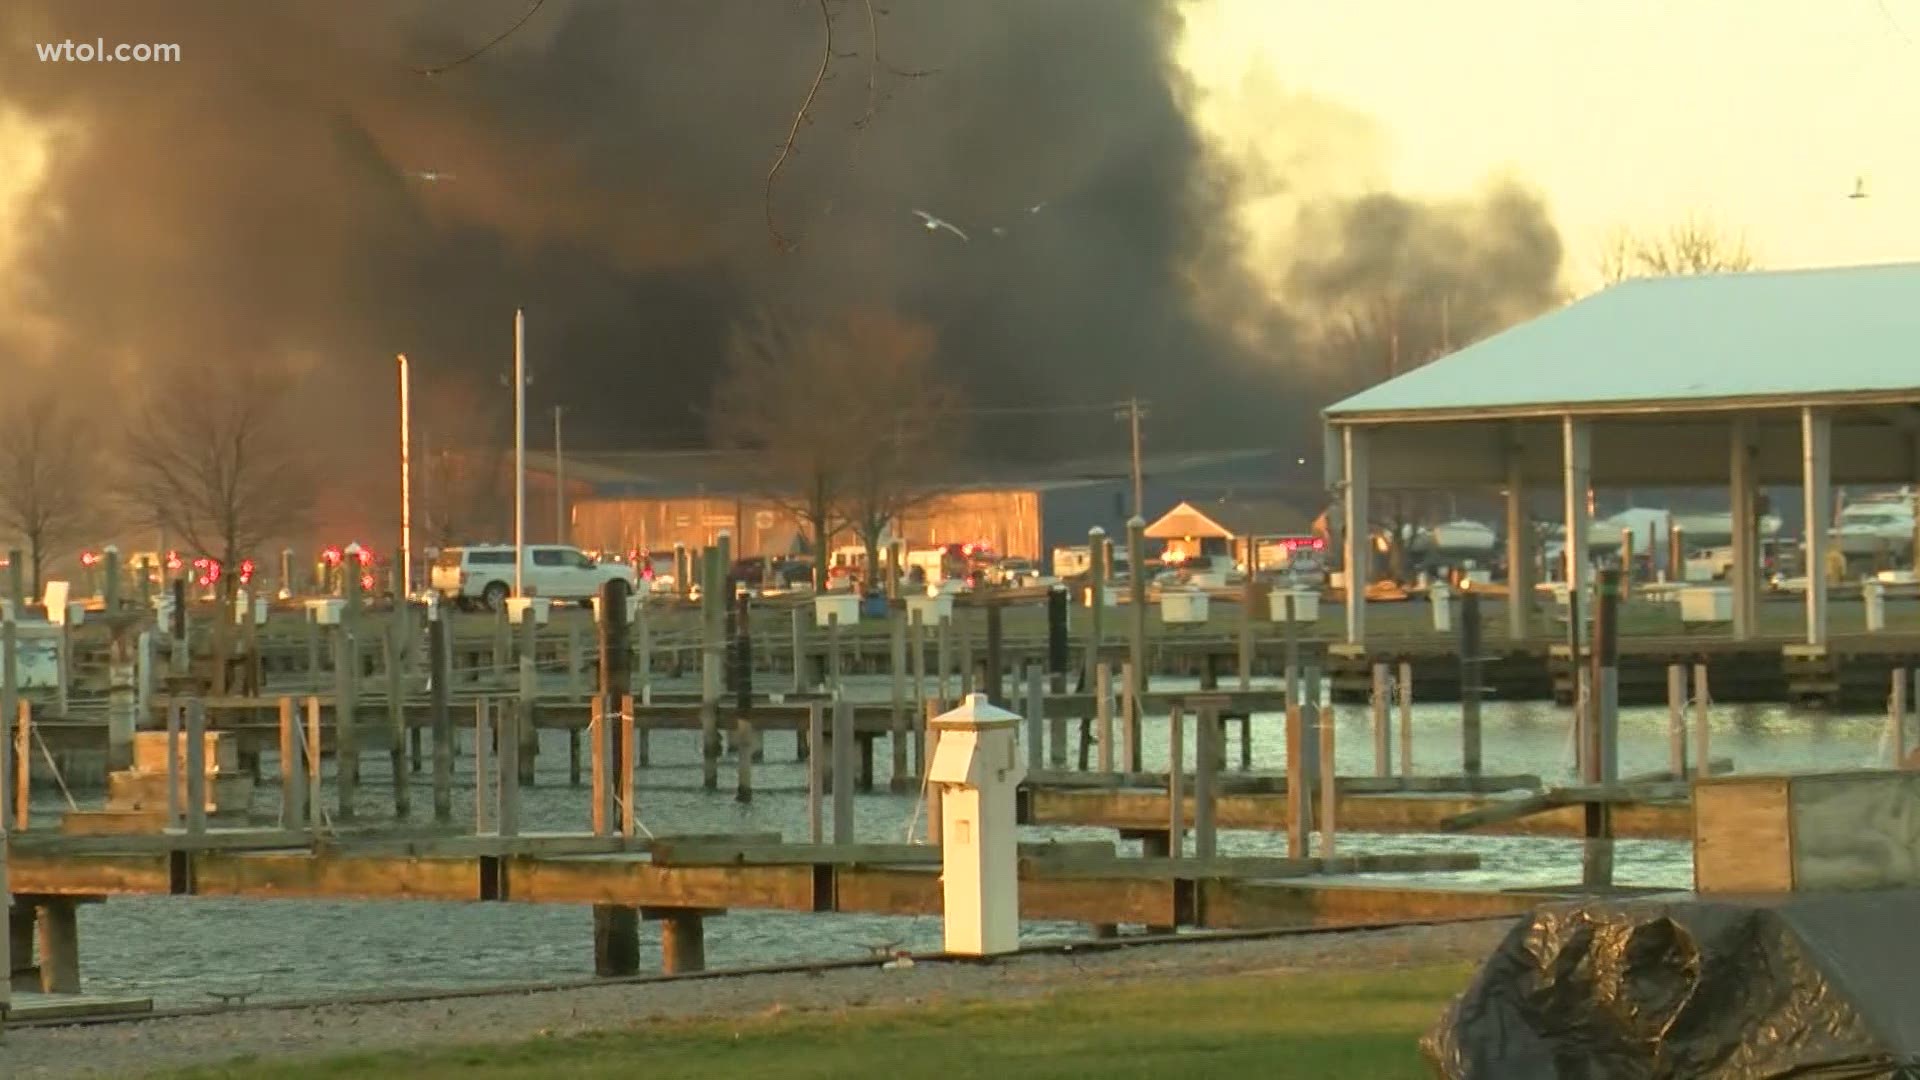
<point>132,1049</point>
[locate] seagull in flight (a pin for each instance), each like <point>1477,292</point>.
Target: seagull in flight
<point>935,224</point>
<point>1859,188</point>
<point>430,175</point>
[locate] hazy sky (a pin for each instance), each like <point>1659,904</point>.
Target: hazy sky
<point>1755,113</point>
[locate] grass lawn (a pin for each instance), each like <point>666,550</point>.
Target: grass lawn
<point>1277,1025</point>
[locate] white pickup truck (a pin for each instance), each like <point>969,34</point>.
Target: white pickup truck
<point>482,574</point>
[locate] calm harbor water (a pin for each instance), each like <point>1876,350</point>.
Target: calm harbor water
<point>179,950</point>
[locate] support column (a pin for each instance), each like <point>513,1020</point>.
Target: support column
<point>1745,575</point>
<point>1519,578</point>
<point>1576,480</point>
<point>1816,445</point>
<point>683,938</point>
<point>1357,537</point>
<point>59,946</point>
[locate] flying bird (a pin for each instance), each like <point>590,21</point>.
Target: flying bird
<point>935,224</point>
<point>429,175</point>
<point>1859,188</point>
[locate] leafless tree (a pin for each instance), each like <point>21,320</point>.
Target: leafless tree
<point>45,477</point>
<point>463,442</point>
<point>211,460</point>
<point>836,417</point>
<point>1694,245</point>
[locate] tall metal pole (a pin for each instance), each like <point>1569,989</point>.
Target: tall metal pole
<point>1139,488</point>
<point>559,484</point>
<point>519,449</point>
<point>406,482</point>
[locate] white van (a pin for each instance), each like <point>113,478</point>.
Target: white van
<point>483,574</point>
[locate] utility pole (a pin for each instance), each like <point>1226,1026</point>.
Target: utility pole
<point>519,450</point>
<point>559,484</point>
<point>1133,414</point>
<point>406,483</point>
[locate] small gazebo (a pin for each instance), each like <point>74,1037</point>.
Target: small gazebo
<point>1804,376</point>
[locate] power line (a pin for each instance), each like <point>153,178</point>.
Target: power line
<point>504,35</point>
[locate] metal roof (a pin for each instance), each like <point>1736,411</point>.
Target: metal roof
<point>1702,342</point>
<point>1233,519</point>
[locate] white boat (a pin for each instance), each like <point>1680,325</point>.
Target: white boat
<point>1876,523</point>
<point>1460,537</point>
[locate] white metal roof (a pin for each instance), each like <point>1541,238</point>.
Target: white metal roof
<point>1792,335</point>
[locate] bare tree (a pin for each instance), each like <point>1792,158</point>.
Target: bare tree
<point>1693,245</point>
<point>211,460</point>
<point>832,415</point>
<point>464,439</point>
<point>45,470</point>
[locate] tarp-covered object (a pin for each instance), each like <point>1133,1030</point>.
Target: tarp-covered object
<point>1820,985</point>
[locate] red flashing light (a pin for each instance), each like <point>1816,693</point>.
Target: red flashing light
<point>173,560</point>
<point>366,556</point>
<point>331,556</point>
<point>246,571</point>
<point>89,559</point>
<point>366,582</point>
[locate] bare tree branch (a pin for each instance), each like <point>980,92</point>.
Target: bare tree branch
<point>799,117</point>
<point>503,35</point>
<point>45,474</point>
<point>1691,246</point>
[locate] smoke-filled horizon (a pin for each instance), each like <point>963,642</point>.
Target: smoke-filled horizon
<point>261,201</point>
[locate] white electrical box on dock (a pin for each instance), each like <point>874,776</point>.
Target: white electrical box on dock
<point>843,607</point>
<point>519,606</point>
<point>930,607</point>
<point>1306,605</point>
<point>978,771</point>
<point>1706,604</point>
<point>326,611</point>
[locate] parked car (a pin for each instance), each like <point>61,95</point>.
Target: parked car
<point>482,574</point>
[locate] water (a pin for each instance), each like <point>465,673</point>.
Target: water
<point>177,950</point>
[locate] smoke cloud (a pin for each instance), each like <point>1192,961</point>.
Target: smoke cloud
<point>257,203</point>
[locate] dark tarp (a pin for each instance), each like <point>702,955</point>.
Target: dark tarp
<point>1817,985</point>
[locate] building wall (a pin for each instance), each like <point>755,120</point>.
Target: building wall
<point>1008,520</point>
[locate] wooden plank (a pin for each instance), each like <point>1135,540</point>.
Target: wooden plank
<point>87,875</point>
<point>634,883</point>
<point>1578,795</point>
<point>1043,897</point>
<point>335,877</point>
<point>1741,837</point>
<point>1225,903</point>
<point>1254,866</point>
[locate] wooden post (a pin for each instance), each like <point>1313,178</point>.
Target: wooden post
<point>1299,804</point>
<point>933,810</point>
<point>1176,775</point>
<point>1703,727</point>
<point>310,754</point>
<point>1381,700</point>
<point>526,749</point>
<point>843,751</point>
<point>917,653</point>
<point>175,724</point>
<point>625,785</point>
<point>502,644</point>
<point>1137,601</point>
<point>22,764</point>
<point>440,645</point>
<point>601,750</point>
<point>510,726</point>
<point>683,942</point>
<point>196,777</point>
<point>13,949</point>
<point>900,780</point>
<point>1206,740</point>
<point>1249,593</point>
<point>393,646</point>
<point>643,650</point>
<point>833,652</point>
<point>1129,717</point>
<point>59,945</point>
<point>346,731</point>
<point>743,744</point>
<point>815,736</point>
<point>943,657</point>
<point>1097,571</point>
<point>1601,761</point>
<point>1405,687</point>
<point>1103,713</point>
<point>293,779</point>
<point>802,679</point>
<point>1057,649</point>
<point>1329,785</point>
<point>963,629</point>
<point>1896,721</point>
<point>482,753</point>
<point>1036,718</point>
<point>1677,720</point>
<point>315,680</point>
<point>616,927</point>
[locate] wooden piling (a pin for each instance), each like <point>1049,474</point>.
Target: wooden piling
<point>482,755</point>
<point>21,770</point>
<point>346,730</point>
<point>602,751</point>
<point>1472,664</point>
<point>943,658</point>
<point>196,777</point>
<point>963,630</point>
<point>293,780</point>
<point>59,944</point>
<point>1103,713</point>
<point>1249,596</point>
<point>440,714</point>
<point>683,941</point>
<point>392,646</point>
<point>815,737</point>
<point>1299,815</point>
<point>931,790</point>
<point>310,755</point>
<point>917,653</point>
<point>833,653</point>
<point>1328,785</point>
<point>1600,763</point>
<point>1130,716</point>
<point>743,744</point>
<point>1097,571</point>
<point>843,751</point>
<point>1137,602</point>
<point>1380,700</point>
<point>1405,687</point>
<point>514,719</point>
<point>996,654</point>
<point>625,785</point>
<point>899,780</point>
<point>1897,720</point>
<point>526,749</point>
<point>1677,719</point>
<point>1702,724</point>
<point>1036,711</point>
<point>1176,777</point>
<point>1206,739</point>
<point>176,723</point>
<point>616,941</point>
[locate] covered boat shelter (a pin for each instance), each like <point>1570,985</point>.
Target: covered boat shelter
<point>1802,377</point>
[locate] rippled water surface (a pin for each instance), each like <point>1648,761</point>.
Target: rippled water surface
<point>179,949</point>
